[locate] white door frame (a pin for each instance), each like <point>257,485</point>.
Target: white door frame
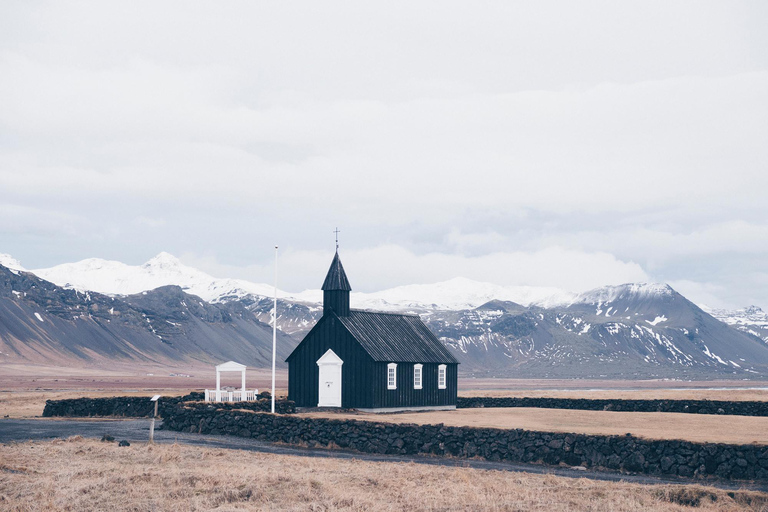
<point>329,373</point>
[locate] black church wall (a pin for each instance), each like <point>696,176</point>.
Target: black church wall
<point>336,301</point>
<point>356,372</point>
<point>405,395</point>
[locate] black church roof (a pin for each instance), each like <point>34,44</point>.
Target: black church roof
<point>396,338</point>
<point>336,279</point>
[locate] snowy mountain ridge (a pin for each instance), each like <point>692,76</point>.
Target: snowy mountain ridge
<point>636,330</point>
<point>11,263</point>
<point>751,320</point>
<point>116,278</point>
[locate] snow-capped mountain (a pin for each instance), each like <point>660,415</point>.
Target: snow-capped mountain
<point>41,322</point>
<point>752,320</point>
<point>627,331</point>
<point>11,263</point>
<point>116,278</point>
<point>629,291</point>
<point>457,294</point>
<point>645,330</point>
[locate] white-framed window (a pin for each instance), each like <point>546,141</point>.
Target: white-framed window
<point>392,376</point>
<point>417,376</point>
<point>441,376</point>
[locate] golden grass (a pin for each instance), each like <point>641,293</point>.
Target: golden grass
<point>30,404</point>
<point>757,395</point>
<point>80,474</point>
<point>650,425</point>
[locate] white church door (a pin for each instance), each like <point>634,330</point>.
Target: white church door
<point>329,392</point>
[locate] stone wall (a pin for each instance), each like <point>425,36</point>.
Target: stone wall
<point>684,406</point>
<point>142,407</point>
<point>624,453</point>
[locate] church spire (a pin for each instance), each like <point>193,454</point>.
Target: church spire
<point>336,289</point>
<point>336,279</point>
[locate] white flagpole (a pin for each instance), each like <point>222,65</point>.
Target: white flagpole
<point>274,336</point>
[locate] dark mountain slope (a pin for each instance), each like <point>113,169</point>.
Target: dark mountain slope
<point>616,332</point>
<point>41,322</point>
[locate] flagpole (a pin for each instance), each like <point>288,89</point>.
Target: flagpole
<point>274,336</point>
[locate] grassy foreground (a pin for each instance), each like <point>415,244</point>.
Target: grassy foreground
<point>79,474</point>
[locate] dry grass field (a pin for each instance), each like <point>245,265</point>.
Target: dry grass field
<point>81,475</point>
<point>732,394</point>
<point>500,384</point>
<point>650,425</point>
<point>24,388</point>
<point>124,376</point>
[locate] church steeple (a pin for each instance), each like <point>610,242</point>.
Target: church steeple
<point>336,289</point>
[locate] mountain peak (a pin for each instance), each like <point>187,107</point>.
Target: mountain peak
<point>10,262</point>
<point>163,259</point>
<point>611,293</point>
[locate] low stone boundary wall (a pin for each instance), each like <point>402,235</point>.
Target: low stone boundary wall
<point>142,407</point>
<point>683,406</point>
<point>263,405</point>
<point>625,453</point>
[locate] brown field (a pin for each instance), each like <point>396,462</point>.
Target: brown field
<point>126,377</point>
<point>24,388</point>
<point>79,474</point>
<point>625,389</point>
<point>89,475</point>
<point>728,394</point>
<point>651,425</point>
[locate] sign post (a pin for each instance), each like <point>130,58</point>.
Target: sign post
<point>155,399</point>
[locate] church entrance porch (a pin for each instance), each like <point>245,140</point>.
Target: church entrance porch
<point>329,386</point>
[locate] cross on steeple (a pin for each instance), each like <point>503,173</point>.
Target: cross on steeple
<point>337,238</point>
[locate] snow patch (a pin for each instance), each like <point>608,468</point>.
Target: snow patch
<point>658,320</point>
<point>11,263</point>
<point>713,356</point>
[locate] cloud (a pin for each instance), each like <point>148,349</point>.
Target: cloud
<point>460,140</point>
<point>708,295</point>
<point>385,266</point>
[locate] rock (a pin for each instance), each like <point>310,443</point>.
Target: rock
<point>123,443</point>
<point>107,438</point>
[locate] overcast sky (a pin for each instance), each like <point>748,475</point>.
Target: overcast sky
<point>569,144</point>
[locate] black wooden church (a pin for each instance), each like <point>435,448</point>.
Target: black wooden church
<point>369,360</point>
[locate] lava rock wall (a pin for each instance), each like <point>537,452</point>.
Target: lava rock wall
<point>142,407</point>
<point>736,408</point>
<point>623,453</point>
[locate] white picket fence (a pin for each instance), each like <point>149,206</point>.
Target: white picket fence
<point>212,395</point>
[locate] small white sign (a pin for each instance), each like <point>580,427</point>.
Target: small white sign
<point>155,398</point>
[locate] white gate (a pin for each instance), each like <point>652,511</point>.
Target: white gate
<point>329,390</point>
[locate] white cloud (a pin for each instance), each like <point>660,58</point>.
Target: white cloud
<point>473,137</point>
<point>385,266</point>
<point>704,294</point>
